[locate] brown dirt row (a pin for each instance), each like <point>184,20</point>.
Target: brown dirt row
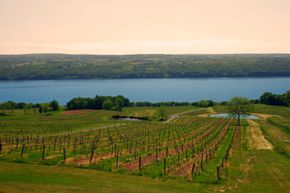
<point>149,159</point>
<point>186,168</point>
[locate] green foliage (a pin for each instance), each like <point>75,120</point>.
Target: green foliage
<point>99,102</point>
<point>54,105</point>
<point>42,108</point>
<point>108,104</point>
<point>59,66</point>
<point>275,99</point>
<point>204,103</point>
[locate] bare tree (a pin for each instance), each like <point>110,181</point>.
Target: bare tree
<point>239,106</point>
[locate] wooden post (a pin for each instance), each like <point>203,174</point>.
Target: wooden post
<point>192,170</point>
<point>139,166</point>
<point>22,150</point>
<point>166,151</point>
<point>64,154</point>
<point>164,168</point>
<point>17,141</point>
<point>92,154</point>
<point>117,159</point>
<point>131,147</point>
<point>218,172</point>
<point>54,143</point>
<point>201,161</point>
<point>35,144</point>
<point>43,141</point>
<point>68,142</point>
<point>135,153</point>
<point>115,150</point>
<point>43,152</point>
<point>75,146</point>
<point>0,148</point>
<point>192,151</point>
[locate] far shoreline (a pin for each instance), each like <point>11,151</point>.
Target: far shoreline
<point>153,78</point>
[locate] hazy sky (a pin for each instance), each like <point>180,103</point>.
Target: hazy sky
<point>144,26</point>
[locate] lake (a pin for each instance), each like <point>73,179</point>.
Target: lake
<point>153,90</point>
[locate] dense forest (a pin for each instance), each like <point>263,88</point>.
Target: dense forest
<point>62,66</point>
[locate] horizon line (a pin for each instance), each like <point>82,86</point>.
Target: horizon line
<point>127,54</point>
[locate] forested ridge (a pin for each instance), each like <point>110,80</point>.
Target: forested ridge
<point>64,66</point>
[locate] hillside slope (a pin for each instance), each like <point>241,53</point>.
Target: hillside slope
<point>61,66</point>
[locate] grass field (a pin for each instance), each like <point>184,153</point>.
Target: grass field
<point>77,151</point>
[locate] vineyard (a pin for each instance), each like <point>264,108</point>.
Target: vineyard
<point>189,146</point>
<point>187,152</point>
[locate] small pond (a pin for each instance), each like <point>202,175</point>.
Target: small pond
<point>129,118</point>
<point>226,115</point>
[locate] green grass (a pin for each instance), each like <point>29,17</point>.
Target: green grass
<point>52,123</point>
<point>272,110</point>
<point>277,136</point>
<point>153,112</point>
<point>39,178</point>
<point>260,171</point>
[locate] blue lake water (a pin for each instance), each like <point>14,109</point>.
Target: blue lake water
<point>154,90</point>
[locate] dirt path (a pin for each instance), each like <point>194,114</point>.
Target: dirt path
<point>175,116</point>
<point>256,137</point>
<point>210,111</point>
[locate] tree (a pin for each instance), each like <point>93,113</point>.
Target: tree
<point>9,105</point>
<point>108,104</point>
<point>274,99</point>
<point>54,105</point>
<point>287,97</point>
<point>239,106</point>
<point>44,108</point>
<point>205,103</point>
<point>162,113</point>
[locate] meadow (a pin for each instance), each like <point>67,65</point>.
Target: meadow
<point>88,150</point>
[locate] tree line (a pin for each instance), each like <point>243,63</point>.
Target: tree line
<point>40,107</point>
<point>269,98</point>
<point>118,102</point>
<point>61,66</point>
<point>99,102</point>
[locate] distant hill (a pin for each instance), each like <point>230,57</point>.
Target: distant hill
<point>63,66</point>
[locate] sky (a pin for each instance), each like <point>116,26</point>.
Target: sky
<point>144,26</point>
